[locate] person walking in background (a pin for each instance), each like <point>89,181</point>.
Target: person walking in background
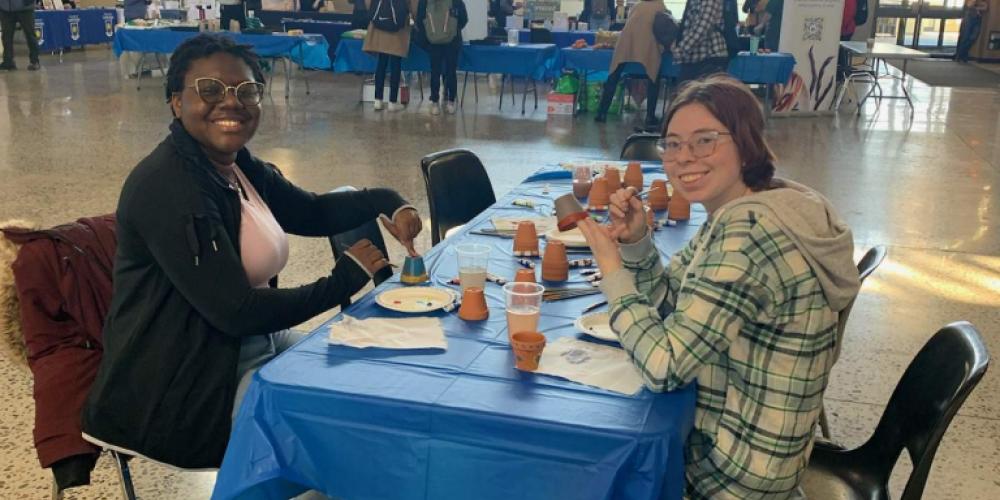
<point>388,39</point>
<point>440,23</point>
<point>972,24</point>
<point>12,13</point>
<point>701,51</point>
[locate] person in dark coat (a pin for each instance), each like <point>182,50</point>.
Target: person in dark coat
<point>201,231</point>
<point>12,13</point>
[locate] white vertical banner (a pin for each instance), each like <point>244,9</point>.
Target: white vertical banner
<point>810,30</point>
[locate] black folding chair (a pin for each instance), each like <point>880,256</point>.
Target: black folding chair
<point>458,189</point>
<point>925,400</point>
<point>866,266</point>
<point>370,231</point>
<point>641,147</point>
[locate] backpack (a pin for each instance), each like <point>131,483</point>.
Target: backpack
<point>730,27</point>
<point>439,26</point>
<point>390,15</point>
<point>861,13</point>
<point>665,29</point>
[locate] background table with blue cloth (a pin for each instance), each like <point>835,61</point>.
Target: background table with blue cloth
<point>331,30</point>
<point>309,51</point>
<point>59,29</point>
<point>462,423</point>
<point>561,38</point>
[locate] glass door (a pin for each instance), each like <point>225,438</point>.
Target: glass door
<point>930,25</point>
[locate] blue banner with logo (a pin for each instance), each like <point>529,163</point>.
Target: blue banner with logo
<point>58,29</point>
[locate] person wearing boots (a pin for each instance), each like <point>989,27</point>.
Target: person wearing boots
<point>637,44</point>
<point>12,13</point>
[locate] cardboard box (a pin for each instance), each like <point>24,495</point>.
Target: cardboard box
<point>368,91</point>
<point>561,104</point>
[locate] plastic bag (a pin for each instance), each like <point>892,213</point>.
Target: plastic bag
<point>568,83</point>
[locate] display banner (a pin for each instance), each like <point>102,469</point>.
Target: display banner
<point>810,30</point>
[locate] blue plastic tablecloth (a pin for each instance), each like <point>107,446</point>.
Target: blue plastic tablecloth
<point>458,424</point>
<point>525,60</point>
<point>764,68</point>
<point>307,50</point>
<point>561,38</point>
<point>331,30</point>
<point>59,29</point>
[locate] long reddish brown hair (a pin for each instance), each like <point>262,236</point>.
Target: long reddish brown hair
<point>735,106</point>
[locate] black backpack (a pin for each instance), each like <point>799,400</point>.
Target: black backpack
<point>861,14</point>
<point>391,15</point>
<point>730,27</point>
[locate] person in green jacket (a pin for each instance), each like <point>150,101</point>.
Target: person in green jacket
<point>747,310</point>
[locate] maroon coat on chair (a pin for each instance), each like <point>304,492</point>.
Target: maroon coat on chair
<point>63,280</point>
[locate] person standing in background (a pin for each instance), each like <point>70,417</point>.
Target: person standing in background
<point>701,51</point>
<point>972,24</point>
<point>390,47</point>
<point>12,13</point>
<point>597,13</point>
<point>440,23</point>
<point>232,10</point>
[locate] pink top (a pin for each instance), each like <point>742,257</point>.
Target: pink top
<point>263,244</point>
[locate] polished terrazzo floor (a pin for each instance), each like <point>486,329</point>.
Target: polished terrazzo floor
<point>924,183</point>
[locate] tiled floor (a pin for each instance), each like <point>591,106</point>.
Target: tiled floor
<point>924,183</point>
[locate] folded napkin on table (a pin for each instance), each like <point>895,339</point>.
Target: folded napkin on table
<point>590,364</point>
<point>389,333</point>
<point>509,223</point>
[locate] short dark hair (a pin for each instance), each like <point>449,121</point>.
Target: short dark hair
<point>202,46</point>
<point>732,103</point>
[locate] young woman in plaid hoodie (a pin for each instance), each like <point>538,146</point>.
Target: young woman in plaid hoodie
<point>748,309</point>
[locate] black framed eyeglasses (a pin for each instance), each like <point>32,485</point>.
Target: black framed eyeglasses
<point>701,144</point>
<point>213,91</point>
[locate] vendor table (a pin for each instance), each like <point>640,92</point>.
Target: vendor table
<point>460,423</point>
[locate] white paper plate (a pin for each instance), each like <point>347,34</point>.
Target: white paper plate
<point>572,238</point>
<point>597,325</point>
<point>417,299</point>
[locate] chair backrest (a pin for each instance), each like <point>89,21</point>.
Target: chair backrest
<point>641,147</point>
<point>458,189</point>
<point>370,231</point>
<point>925,400</point>
<point>540,35</point>
<point>866,266</point>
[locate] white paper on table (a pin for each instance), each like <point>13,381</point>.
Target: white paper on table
<point>590,364</point>
<point>388,333</point>
<point>509,223</point>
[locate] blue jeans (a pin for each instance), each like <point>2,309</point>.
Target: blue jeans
<point>256,351</point>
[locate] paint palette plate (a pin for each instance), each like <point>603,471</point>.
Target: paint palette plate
<point>597,325</point>
<point>417,299</point>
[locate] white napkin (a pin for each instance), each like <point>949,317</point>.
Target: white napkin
<point>509,223</point>
<point>590,364</point>
<point>389,333</point>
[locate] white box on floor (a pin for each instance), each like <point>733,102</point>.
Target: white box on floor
<point>561,104</point>
<point>368,92</point>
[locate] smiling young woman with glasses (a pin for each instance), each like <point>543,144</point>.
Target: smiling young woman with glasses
<point>201,233</point>
<point>748,308</point>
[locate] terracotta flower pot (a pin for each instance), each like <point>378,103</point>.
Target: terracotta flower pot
<point>679,208</point>
<point>524,276</point>
<point>527,347</point>
<point>633,175</point>
<point>659,197</point>
<point>614,179</point>
<point>599,195</point>
<point>555,265</point>
<point>569,212</point>
<point>414,271</point>
<point>526,240</point>
<point>473,305</point>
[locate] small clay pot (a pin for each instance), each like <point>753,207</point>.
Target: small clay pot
<point>526,240</point>
<point>678,208</point>
<point>555,265</point>
<point>599,195</point>
<point>614,179</point>
<point>659,197</point>
<point>414,271</point>
<point>569,212</point>
<point>524,276</point>
<point>633,176</point>
<point>473,305</point>
<point>527,347</point>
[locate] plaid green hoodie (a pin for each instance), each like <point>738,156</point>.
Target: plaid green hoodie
<point>749,308</point>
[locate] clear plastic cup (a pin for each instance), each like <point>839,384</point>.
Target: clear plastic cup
<point>473,261</point>
<point>524,306</point>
